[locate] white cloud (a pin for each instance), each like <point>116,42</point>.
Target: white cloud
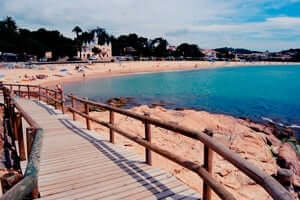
<point>205,22</point>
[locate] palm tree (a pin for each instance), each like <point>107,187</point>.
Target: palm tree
<point>77,30</point>
<point>10,24</point>
<point>102,35</point>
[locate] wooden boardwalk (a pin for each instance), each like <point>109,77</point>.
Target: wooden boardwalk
<point>80,164</point>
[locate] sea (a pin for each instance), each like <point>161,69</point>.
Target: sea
<point>260,93</point>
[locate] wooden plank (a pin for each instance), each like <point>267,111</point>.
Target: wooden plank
<point>72,159</point>
<point>194,196</point>
<point>162,195</point>
<point>108,186</point>
<point>74,183</point>
<point>83,152</point>
<point>69,167</point>
<point>147,190</point>
<point>93,168</point>
<point>185,194</point>
<point>81,162</point>
<point>125,188</point>
<point>111,171</point>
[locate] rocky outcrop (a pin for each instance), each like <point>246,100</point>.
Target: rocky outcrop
<point>120,102</point>
<point>288,158</point>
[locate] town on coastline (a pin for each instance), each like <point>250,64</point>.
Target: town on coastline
<point>22,45</point>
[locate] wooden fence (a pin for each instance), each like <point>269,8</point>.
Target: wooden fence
<point>275,189</point>
<point>27,187</point>
<point>56,98</point>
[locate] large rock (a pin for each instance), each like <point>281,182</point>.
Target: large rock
<point>253,148</point>
<point>288,158</point>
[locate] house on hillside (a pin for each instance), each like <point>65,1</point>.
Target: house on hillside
<point>92,50</point>
<point>210,54</point>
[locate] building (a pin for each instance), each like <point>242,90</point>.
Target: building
<point>48,55</point>
<point>8,57</point>
<point>105,51</point>
<point>171,48</point>
<point>209,53</point>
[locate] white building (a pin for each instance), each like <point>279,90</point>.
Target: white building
<point>209,53</point>
<point>87,50</point>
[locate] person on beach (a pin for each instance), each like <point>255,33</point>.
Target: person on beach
<point>58,87</point>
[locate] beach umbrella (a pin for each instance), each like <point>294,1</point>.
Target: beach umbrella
<point>63,70</point>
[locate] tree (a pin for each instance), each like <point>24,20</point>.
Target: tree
<point>159,47</point>
<point>77,30</point>
<point>189,50</point>
<point>103,36</point>
<point>96,50</point>
<point>9,24</point>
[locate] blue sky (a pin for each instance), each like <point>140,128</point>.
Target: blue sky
<point>254,24</point>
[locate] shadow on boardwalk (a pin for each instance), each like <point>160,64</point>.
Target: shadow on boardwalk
<point>130,166</point>
<point>132,169</point>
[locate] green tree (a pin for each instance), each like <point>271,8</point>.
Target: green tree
<point>189,50</point>
<point>9,24</point>
<point>159,47</point>
<point>96,50</point>
<point>102,35</point>
<point>77,30</point>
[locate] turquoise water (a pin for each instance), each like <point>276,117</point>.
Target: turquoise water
<point>258,93</point>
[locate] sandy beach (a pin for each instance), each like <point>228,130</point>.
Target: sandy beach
<point>61,73</point>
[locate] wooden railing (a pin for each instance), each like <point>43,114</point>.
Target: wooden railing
<point>50,96</point>
<point>56,98</point>
<point>275,189</point>
<point>27,187</point>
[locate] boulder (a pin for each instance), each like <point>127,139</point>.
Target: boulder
<point>119,102</point>
<point>285,176</point>
<point>288,158</point>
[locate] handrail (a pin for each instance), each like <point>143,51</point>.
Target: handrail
<point>58,94</point>
<point>29,183</point>
<point>21,85</point>
<point>25,115</point>
<point>275,189</point>
<point>217,187</point>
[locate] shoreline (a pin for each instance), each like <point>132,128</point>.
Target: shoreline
<point>101,75</point>
<point>129,68</point>
<point>108,70</point>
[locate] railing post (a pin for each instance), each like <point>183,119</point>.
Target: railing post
<point>47,101</point>
<point>28,91</point>
<point>111,132</point>
<point>86,109</point>
<point>73,106</point>
<point>14,121</point>
<point>62,101</point>
<point>19,129</point>
<point>19,88</point>
<point>148,138</point>
<point>30,135</point>
<point>55,97</point>
<point>40,93</point>
<point>208,165</point>
<point>29,140</point>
